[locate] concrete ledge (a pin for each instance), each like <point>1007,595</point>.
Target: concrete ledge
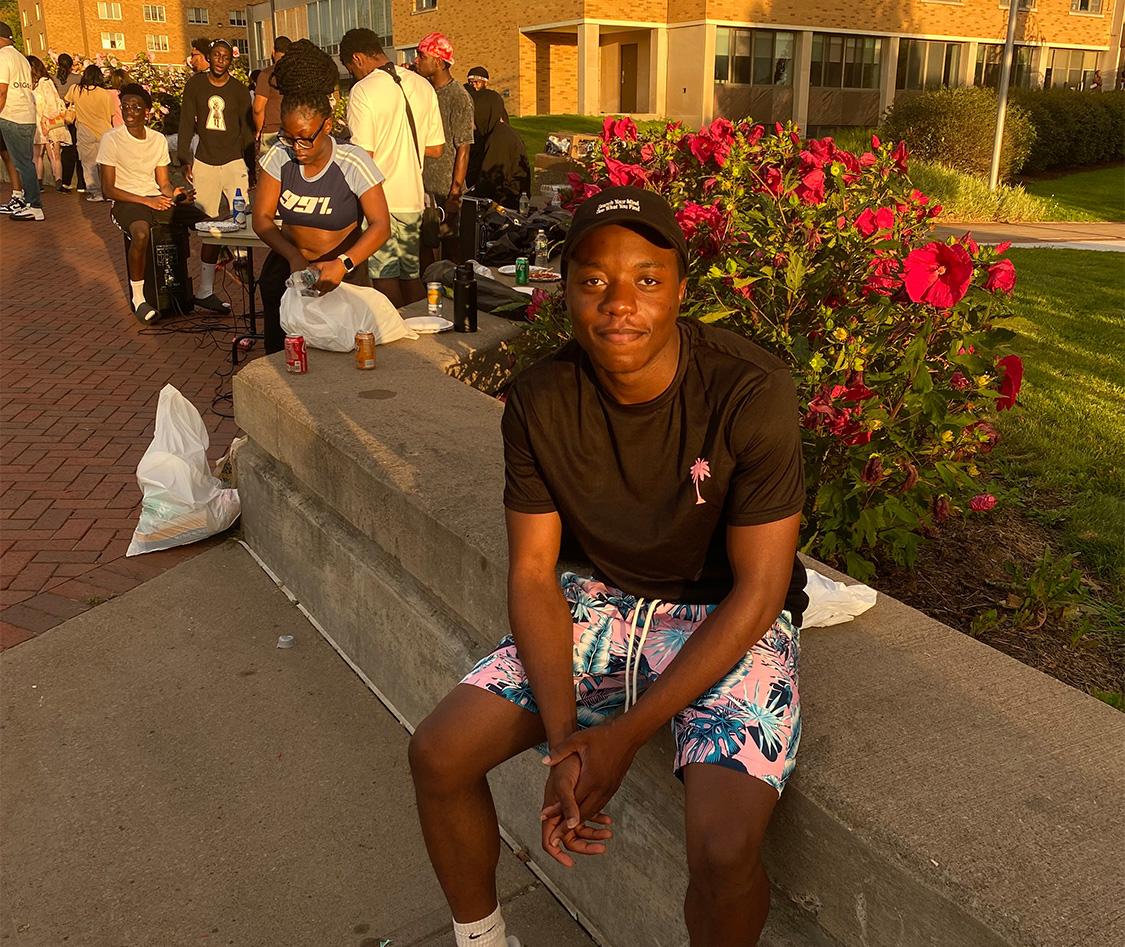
<point>945,794</point>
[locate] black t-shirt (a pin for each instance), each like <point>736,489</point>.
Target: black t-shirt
<point>647,490</point>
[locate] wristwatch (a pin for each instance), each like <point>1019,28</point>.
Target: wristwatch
<point>347,261</point>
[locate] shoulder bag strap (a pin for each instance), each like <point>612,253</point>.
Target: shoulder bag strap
<point>389,69</point>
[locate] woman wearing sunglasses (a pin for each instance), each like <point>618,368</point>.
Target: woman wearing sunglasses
<point>322,191</point>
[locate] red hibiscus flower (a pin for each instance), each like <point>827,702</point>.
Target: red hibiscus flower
<point>870,222</point>
<point>830,411</point>
<point>613,128</point>
<point>899,156</point>
<point>709,223</point>
<point>623,175</point>
<point>580,190</point>
<point>876,144</point>
<point>753,133</point>
<point>867,159</point>
<point>958,382</point>
<point>882,275</point>
<point>818,151</point>
<point>1001,277</point>
<point>982,502</point>
<point>1010,382</point>
<point>538,298</point>
<point>811,188</point>
<point>938,274</point>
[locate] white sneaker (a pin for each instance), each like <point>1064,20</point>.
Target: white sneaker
<point>95,198</point>
<point>12,205</point>
<point>28,213</point>
<point>512,942</point>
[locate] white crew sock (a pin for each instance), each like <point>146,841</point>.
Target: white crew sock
<point>18,193</point>
<point>206,280</point>
<point>138,288</point>
<point>487,932</point>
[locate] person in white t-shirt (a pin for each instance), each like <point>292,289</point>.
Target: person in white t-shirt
<point>133,162</point>
<point>380,123</point>
<point>17,130</point>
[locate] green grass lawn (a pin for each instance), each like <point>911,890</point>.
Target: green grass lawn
<point>1097,194</point>
<point>1065,449</point>
<point>534,129</point>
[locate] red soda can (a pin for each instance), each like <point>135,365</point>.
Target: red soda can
<point>296,355</point>
<point>365,350</point>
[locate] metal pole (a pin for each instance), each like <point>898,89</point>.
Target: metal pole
<point>1002,94</point>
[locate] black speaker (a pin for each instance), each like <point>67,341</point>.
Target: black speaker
<point>472,213</point>
<point>168,287</point>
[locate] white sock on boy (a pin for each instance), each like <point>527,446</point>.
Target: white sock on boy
<point>138,288</point>
<point>487,932</point>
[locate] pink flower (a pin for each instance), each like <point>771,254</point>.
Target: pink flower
<point>958,382</point>
<point>623,128</point>
<point>538,298</point>
<point>870,222</point>
<point>938,274</point>
<point>982,502</point>
<point>1001,277</point>
<point>1010,382</point>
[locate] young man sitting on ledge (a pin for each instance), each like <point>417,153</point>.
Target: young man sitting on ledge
<point>133,162</point>
<point>671,452</point>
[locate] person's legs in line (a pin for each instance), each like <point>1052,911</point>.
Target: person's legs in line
<point>88,156</point>
<point>409,240</point>
<point>384,266</point>
<point>15,199</point>
<point>449,763</point>
<point>37,162</point>
<point>726,814</point>
<point>20,141</point>
<point>53,156</point>
<point>271,287</point>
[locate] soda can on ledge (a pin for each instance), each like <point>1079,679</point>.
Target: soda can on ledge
<point>523,271</point>
<point>296,355</point>
<point>365,350</point>
<point>433,299</point>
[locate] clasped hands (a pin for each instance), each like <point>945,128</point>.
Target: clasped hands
<point>586,770</point>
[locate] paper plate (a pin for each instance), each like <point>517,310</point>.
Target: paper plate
<point>506,270</point>
<point>530,290</point>
<point>222,226</point>
<point>428,325</point>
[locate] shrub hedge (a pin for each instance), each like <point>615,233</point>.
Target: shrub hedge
<point>1073,128</point>
<point>956,127</point>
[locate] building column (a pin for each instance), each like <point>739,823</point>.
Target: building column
<point>589,69</point>
<point>968,62</point>
<point>658,70</point>
<point>707,78</point>
<point>888,72</point>
<point>1040,57</point>
<point>802,60</point>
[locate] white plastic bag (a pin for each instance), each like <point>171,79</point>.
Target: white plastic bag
<point>331,321</point>
<point>183,503</point>
<point>833,603</point>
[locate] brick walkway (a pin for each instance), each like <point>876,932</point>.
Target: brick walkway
<point>79,380</point>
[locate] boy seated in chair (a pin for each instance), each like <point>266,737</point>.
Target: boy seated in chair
<point>133,162</point>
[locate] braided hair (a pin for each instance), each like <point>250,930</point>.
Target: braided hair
<point>305,76</point>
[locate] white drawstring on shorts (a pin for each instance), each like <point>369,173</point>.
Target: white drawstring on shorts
<point>632,685</point>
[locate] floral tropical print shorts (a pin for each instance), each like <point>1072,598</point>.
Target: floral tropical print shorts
<point>748,721</point>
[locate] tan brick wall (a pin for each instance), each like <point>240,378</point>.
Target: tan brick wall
<point>1050,22</point>
<point>74,26</point>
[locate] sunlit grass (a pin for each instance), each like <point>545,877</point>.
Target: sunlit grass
<point>967,197</point>
<point>1099,193</point>
<point>1066,443</point>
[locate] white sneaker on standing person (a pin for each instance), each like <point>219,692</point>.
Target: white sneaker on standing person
<point>216,106</point>
<point>17,130</point>
<point>381,125</point>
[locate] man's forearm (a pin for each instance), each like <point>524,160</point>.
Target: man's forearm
<point>715,647</point>
<point>460,170</point>
<point>542,627</point>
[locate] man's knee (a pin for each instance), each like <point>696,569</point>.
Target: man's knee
<point>725,863</point>
<point>433,757</point>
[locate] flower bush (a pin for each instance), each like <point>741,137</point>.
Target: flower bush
<point>825,258</point>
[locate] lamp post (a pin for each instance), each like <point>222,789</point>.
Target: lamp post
<point>1002,93</point>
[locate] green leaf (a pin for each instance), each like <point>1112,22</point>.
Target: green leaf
<point>715,315</point>
<point>795,272</point>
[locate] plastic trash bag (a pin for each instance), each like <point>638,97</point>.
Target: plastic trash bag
<point>833,603</point>
<point>183,503</point>
<point>331,321</point>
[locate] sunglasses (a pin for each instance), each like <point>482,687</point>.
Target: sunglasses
<point>302,144</point>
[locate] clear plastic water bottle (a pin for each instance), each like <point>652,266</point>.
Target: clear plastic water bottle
<point>541,249</point>
<point>239,207</point>
<point>304,281</point>
<point>525,204</point>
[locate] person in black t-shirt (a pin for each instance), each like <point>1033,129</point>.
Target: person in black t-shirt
<point>670,452</point>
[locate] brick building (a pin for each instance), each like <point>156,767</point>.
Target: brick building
<point>163,31</point>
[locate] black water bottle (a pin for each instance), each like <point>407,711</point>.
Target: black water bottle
<point>465,299</point>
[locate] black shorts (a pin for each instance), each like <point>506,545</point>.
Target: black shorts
<point>125,214</point>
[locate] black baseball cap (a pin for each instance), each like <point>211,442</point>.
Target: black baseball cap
<point>630,207</point>
<point>477,71</point>
<point>6,33</point>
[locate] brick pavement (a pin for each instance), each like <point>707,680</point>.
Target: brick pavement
<point>79,380</point>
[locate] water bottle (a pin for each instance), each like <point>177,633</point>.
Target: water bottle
<point>304,281</point>
<point>525,204</point>
<point>541,249</point>
<point>239,207</point>
<point>464,299</point>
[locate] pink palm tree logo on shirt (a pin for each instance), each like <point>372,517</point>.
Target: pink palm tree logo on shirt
<point>700,471</point>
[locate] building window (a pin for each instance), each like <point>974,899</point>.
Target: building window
<point>154,13</point>
<point>156,44</point>
<point>38,12</point>
<point>845,62</point>
<point>242,45</point>
<point>1086,6</point>
<point>990,57</point>
<point>1070,69</point>
<point>113,40</point>
<point>237,17</point>
<point>420,6</point>
<point>109,11</point>
<point>198,15</point>
<point>1024,5</point>
<point>24,15</point>
<point>42,43</point>
<point>927,65</point>
<point>754,57</point>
